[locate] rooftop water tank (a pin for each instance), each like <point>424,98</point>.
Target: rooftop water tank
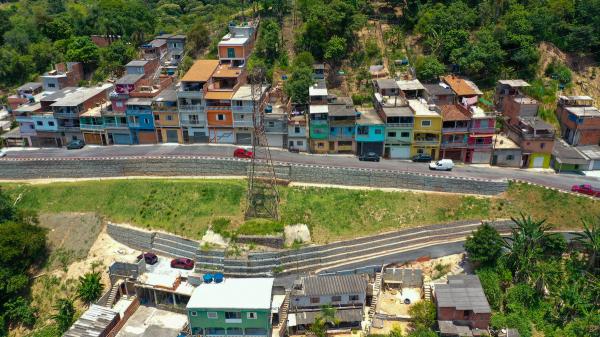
<point>208,278</point>
<point>218,278</point>
<point>269,109</point>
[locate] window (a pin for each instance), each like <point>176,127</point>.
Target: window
<point>391,134</point>
<point>362,130</point>
<point>51,85</point>
<point>230,52</point>
<point>220,117</point>
<point>510,157</point>
<point>420,151</point>
<point>336,298</point>
<point>271,124</point>
<point>319,145</point>
<point>300,143</point>
<point>31,126</point>
<point>119,104</point>
<point>296,129</point>
<point>404,134</point>
<point>39,123</point>
<point>378,131</point>
<point>315,300</point>
<point>353,297</point>
<point>426,123</point>
<point>51,123</point>
<point>542,145</point>
<point>156,117</point>
<point>193,313</point>
<point>251,315</point>
<point>146,121</point>
<point>169,117</point>
<point>212,315</point>
<point>233,315</point>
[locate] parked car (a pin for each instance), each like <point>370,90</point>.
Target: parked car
<point>243,153</point>
<point>422,158</point>
<point>442,165</point>
<point>150,258</point>
<point>586,189</point>
<point>2,154</point>
<point>75,144</point>
<point>182,263</point>
<point>369,156</point>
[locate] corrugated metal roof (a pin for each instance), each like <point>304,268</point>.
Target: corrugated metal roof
<point>343,315</point>
<point>462,292</point>
<point>333,285</point>
<point>94,322</point>
<point>408,277</point>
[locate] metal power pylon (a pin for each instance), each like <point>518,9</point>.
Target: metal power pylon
<point>263,198</point>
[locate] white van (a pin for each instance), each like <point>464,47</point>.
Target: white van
<point>442,165</point>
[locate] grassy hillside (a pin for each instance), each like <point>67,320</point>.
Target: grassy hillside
<point>188,207</point>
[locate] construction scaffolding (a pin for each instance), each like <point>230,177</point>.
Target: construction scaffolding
<point>263,198</point>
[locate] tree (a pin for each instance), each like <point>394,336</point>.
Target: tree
<point>268,44</point>
<point>90,287</point>
<point>589,240</point>
<point>297,85</point>
<point>335,50</point>
<point>429,68</point>
<point>325,317</point>
<point>65,313</point>
<point>422,315</point>
<point>304,59</point>
<point>7,210</point>
<point>484,246</point>
<point>82,49</point>
<point>420,332</point>
<point>198,38</point>
<point>20,310</point>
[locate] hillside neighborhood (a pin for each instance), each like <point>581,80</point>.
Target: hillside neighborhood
<point>270,168</point>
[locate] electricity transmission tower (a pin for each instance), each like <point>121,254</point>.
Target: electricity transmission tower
<point>262,199</point>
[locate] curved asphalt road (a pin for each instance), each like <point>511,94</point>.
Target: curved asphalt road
<point>550,179</point>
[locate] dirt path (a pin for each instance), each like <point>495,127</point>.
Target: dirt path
<point>381,45</point>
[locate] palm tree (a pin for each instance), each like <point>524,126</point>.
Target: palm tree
<point>65,311</point>
<point>525,245</point>
<point>326,317</point>
<point>589,239</point>
<point>90,287</point>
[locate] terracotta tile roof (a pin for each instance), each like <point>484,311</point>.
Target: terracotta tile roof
<point>218,95</point>
<point>454,112</point>
<point>201,71</point>
<point>226,71</point>
<point>461,86</point>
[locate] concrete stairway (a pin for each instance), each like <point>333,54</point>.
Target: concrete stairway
<point>376,291</point>
<point>113,294</point>
<point>284,310</point>
<point>427,290</point>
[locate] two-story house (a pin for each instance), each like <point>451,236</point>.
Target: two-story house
<point>369,133</point>
<point>62,76</point>
<point>579,120</point>
<point>147,68</point>
<point>411,88</point>
<point>511,100</point>
<point>155,49</point>
<point>140,120</point>
<point>536,139</point>
<point>234,307</point>
<point>455,132</point>
<point>297,136</point>
<point>166,117</point>
<point>191,103</point>
<point>427,128</point>
<point>462,307</point>
<point>236,46</point>
<point>467,93</point>
<point>392,107</point>
<point>439,94</point>
<point>25,94</point>
<point>242,106</point>
<point>276,118</point>
<point>342,121</point>
<point>346,293</point>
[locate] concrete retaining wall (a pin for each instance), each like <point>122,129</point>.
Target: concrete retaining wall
<point>273,241</point>
<point>200,166</point>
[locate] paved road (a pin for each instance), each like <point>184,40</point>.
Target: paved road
<point>563,181</point>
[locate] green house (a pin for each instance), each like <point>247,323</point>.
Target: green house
<point>234,307</point>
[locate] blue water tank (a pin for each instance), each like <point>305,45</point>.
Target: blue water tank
<point>218,278</point>
<point>208,278</point>
<point>269,109</point>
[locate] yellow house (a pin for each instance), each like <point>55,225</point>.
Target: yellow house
<point>427,129</point>
<point>166,117</point>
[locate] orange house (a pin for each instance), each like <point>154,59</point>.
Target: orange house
<point>218,109</point>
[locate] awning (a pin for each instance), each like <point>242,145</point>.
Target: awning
<point>343,315</point>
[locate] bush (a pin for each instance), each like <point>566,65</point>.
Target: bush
<point>559,72</point>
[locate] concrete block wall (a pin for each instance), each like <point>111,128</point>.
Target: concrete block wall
<point>134,238</point>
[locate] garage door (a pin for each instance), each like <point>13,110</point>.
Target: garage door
<point>92,138</point>
<point>455,155</point>
<point>172,136</point>
<point>275,140</point>
<point>399,152</point>
<point>243,138</point>
<point>483,158</point>
<point>121,139</point>
<point>147,137</point>
<point>221,136</point>
<point>596,165</point>
<point>538,162</point>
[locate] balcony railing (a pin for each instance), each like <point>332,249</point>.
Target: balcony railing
<point>399,125</point>
<point>243,124</point>
<point>68,128</point>
<point>483,130</point>
<point>481,146</point>
<point>276,129</point>
<point>426,142</point>
<point>191,108</point>
<point>190,94</point>
<point>341,137</point>
<point>65,115</point>
<point>218,107</point>
<point>186,121</point>
<point>451,145</point>
<point>241,109</point>
<point>91,126</point>
<point>393,141</point>
<point>461,129</point>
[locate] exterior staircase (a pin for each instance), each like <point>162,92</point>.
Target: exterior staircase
<point>376,291</point>
<point>113,294</point>
<point>284,309</point>
<point>427,290</point>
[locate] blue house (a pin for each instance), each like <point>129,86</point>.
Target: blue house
<point>370,133</point>
<point>140,120</point>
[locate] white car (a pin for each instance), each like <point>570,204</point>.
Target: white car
<point>442,165</point>
<point>2,154</point>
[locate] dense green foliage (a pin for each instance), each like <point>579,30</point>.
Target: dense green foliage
<point>65,314</point>
<point>90,287</point>
<point>534,284</point>
<point>484,246</point>
<point>487,39</point>
<point>22,245</point>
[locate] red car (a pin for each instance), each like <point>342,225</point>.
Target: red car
<point>182,263</point>
<point>150,258</point>
<point>243,153</point>
<point>586,189</point>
